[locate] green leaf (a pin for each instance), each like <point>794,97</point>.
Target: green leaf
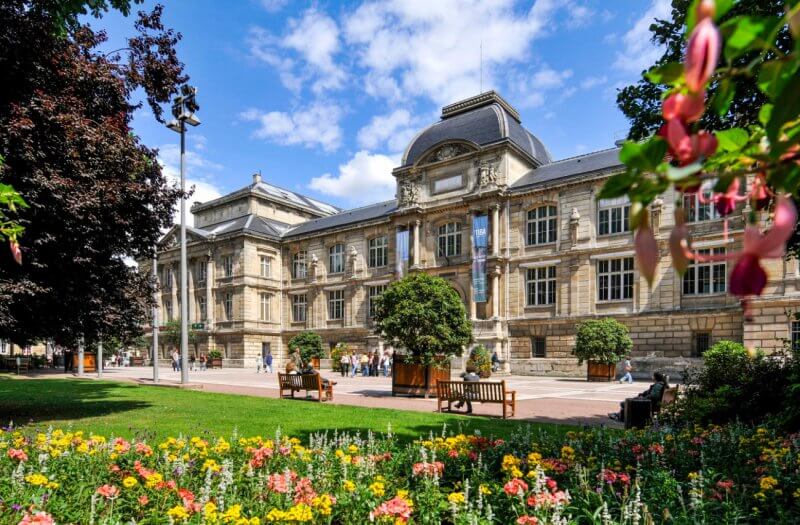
<point>722,7</point>
<point>677,174</point>
<point>723,97</point>
<point>747,33</point>
<point>775,75</point>
<point>618,185</point>
<point>667,73</point>
<point>786,109</point>
<point>732,139</point>
<point>645,155</point>
<point>764,114</point>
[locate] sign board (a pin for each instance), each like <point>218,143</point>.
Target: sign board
<point>197,326</point>
<point>480,241</point>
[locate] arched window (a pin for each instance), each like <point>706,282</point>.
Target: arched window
<point>449,240</point>
<point>542,225</point>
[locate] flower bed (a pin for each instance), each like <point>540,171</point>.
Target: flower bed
<point>715,475</point>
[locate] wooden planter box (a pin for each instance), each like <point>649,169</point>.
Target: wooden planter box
<point>315,363</point>
<point>137,361</point>
<point>215,362</point>
<point>89,362</point>
<point>413,379</point>
<point>600,372</point>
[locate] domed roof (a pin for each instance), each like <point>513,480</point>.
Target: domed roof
<point>480,120</point>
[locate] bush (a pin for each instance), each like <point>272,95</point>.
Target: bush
<point>336,355</point>
<point>310,346</point>
<point>215,354</point>
<point>602,341</point>
<point>481,359</point>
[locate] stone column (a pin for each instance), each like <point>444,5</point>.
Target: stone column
<point>473,306</point>
<point>496,292</point>
<point>496,230</point>
<point>210,306</point>
<point>417,229</point>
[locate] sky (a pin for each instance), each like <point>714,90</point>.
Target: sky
<point>323,97</point>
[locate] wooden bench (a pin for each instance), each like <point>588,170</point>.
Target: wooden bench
<point>480,392</point>
<point>308,382</point>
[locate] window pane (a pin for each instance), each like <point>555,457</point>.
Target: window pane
<point>602,223</point>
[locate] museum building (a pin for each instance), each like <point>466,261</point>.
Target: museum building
<point>521,237</point>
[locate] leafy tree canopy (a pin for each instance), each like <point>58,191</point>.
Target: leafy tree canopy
<point>309,344</point>
<point>425,315</point>
<point>96,196</point>
<point>602,340</point>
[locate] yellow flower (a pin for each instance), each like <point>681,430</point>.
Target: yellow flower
<point>485,490</point>
<point>129,482</point>
<point>37,479</point>
<point>154,479</point>
<point>210,511</point>
<point>323,504</point>
<point>233,513</point>
<point>767,483</point>
<point>377,489</point>
<point>178,513</point>
<point>349,486</point>
<point>567,452</point>
<point>456,498</point>
<point>352,449</point>
<point>211,464</point>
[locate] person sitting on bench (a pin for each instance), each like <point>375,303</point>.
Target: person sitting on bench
<point>654,393</point>
<point>309,370</point>
<point>470,376</point>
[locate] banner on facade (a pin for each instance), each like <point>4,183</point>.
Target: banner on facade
<point>402,253</point>
<point>480,225</point>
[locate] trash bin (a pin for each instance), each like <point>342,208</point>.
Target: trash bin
<point>638,412</point>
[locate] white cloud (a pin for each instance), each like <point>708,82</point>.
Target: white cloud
<point>639,52</point>
<point>312,126</point>
<point>530,90</point>
<point>395,130</point>
<point>433,48</point>
<point>578,15</point>
<point>200,173</point>
<point>273,5</point>
<point>590,82</point>
<point>314,40</point>
<point>365,178</point>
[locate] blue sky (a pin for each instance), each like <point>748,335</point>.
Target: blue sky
<point>323,97</point>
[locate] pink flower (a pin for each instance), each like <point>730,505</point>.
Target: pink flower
<point>143,500</point>
<point>760,192</point>
<point>18,454</point>
<point>16,252</point>
<point>304,492</point>
<point>687,148</point>
<point>428,469</point>
<point>108,491</point>
<point>687,107</point>
<point>748,277</point>
<point>656,448</point>
<point>679,243</point>
<point>280,482</point>
<point>726,202</point>
<point>397,507</point>
<point>515,487</point>
<point>527,520</point>
<point>702,54</point>
<point>40,518</point>
<point>646,248</point>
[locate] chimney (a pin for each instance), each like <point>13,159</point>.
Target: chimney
<point>256,177</point>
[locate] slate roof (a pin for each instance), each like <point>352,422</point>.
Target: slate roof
<point>292,198</point>
<point>248,223</point>
<point>482,120</point>
<point>561,169</point>
<point>367,213</point>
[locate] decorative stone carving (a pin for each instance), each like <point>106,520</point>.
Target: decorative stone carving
<point>448,151</point>
<point>487,174</point>
<point>574,222</point>
<point>409,193</point>
<point>312,271</point>
<point>353,259</point>
<point>655,213</point>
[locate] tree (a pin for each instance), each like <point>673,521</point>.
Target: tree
<point>171,335</point>
<point>602,341</point>
<point>424,315</point>
<point>96,195</point>
<point>309,344</point>
<point>641,102</point>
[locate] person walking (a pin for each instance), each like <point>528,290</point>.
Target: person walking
<point>176,361</point>
<point>375,364</point>
<point>627,368</point>
<point>268,362</point>
<point>344,364</point>
<point>364,362</point>
<point>202,362</point>
<point>353,364</point>
<point>495,361</point>
<point>387,363</point>
<point>192,361</point>
<point>297,360</point>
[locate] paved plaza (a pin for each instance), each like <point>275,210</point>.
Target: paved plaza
<point>542,399</point>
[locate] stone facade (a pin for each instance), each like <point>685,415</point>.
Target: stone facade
<point>556,255</point>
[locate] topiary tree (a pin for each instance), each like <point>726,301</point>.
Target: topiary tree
<point>424,315</point>
<point>481,359</point>
<point>602,341</point>
<point>309,344</point>
<point>336,356</point>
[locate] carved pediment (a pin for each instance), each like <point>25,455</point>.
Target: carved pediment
<point>445,152</point>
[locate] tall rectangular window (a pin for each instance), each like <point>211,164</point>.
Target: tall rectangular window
<point>201,272</point>
<point>266,301</point>
<point>795,335</point>
<point>299,269</point>
<point>538,346</point>
<point>542,225</point>
<point>698,206</point>
<point>702,342</point>
<point>540,285</point>
<point>265,266</point>
<point>378,252</point>
<point>299,308</point>
<point>228,305</point>
<point>613,216</point>
<point>227,266</point>
<point>168,311</point>
<point>449,239</point>
<point>703,278</point>
<point>166,281</point>
<point>202,307</point>
<point>336,304</point>
<point>374,293</point>
<point>336,258</point>
<point>615,279</point>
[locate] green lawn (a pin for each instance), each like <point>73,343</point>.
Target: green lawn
<point>125,409</point>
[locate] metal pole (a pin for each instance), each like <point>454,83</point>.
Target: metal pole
<point>80,357</point>
<point>155,314</point>
<point>100,358</point>
<point>184,279</point>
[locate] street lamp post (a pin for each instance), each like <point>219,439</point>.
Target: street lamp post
<point>155,314</point>
<point>183,109</point>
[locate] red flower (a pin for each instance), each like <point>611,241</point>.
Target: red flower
<point>687,107</point>
<point>687,148</point>
<point>527,520</point>
<point>16,252</point>
<point>108,491</point>
<point>702,54</point>
<point>515,487</point>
